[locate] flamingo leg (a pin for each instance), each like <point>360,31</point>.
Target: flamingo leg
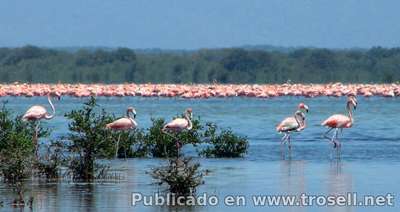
<point>177,149</point>
<point>117,145</point>
<point>178,146</point>
<point>177,143</point>
<point>325,135</point>
<point>334,138</point>
<point>35,140</point>
<point>284,139</point>
<point>165,151</point>
<point>289,143</point>
<point>337,137</point>
<point>330,139</point>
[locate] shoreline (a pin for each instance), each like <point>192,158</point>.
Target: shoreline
<point>201,91</point>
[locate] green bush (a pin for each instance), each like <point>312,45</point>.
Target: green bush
<point>132,143</point>
<point>88,139</point>
<point>16,152</point>
<point>164,145</point>
<point>155,143</point>
<point>224,144</point>
<point>180,175</point>
<point>16,148</point>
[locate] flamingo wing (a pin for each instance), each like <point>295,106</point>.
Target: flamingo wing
<point>177,124</point>
<point>34,113</point>
<point>122,124</point>
<point>287,124</point>
<point>337,121</point>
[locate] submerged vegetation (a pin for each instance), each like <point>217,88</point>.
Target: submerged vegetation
<point>181,175</point>
<point>231,65</point>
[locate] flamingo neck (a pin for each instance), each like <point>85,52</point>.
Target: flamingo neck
<point>190,124</point>
<point>48,116</point>
<point>298,120</point>
<point>129,116</point>
<point>350,112</point>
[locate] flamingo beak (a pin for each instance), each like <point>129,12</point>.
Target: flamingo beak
<point>306,108</point>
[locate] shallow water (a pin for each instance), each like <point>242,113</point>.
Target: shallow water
<point>368,164</point>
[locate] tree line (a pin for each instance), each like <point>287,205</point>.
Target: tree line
<point>231,65</point>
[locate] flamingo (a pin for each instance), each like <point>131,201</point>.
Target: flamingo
<point>294,123</point>
<point>125,123</point>
<point>339,121</point>
<point>37,113</point>
<point>178,125</point>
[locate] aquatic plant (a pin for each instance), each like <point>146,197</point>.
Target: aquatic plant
<point>161,144</point>
<point>224,143</point>
<point>48,165</point>
<point>181,175</point>
<point>88,139</point>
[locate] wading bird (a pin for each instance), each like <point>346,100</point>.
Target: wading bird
<point>178,125</point>
<point>37,113</point>
<point>294,123</point>
<point>125,123</point>
<point>339,121</point>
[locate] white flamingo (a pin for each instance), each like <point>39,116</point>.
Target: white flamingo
<point>37,113</point>
<point>178,125</point>
<point>125,123</point>
<point>294,123</point>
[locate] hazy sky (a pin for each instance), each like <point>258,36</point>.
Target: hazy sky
<point>192,24</point>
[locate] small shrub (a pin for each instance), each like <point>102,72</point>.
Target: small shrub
<point>223,144</point>
<point>180,175</point>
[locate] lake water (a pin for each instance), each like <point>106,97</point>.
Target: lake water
<point>369,162</point>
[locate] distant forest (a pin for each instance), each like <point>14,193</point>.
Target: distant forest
<point>231,65</point>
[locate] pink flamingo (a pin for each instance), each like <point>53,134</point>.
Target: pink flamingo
<point>294,123</point>
<point>339,121</point>
<point>37,113</point>
<point>178,125</point>
<point>125,123</point>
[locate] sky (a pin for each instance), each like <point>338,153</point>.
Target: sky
<point>193,24</point>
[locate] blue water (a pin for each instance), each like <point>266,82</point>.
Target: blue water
<point>368,164</point>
